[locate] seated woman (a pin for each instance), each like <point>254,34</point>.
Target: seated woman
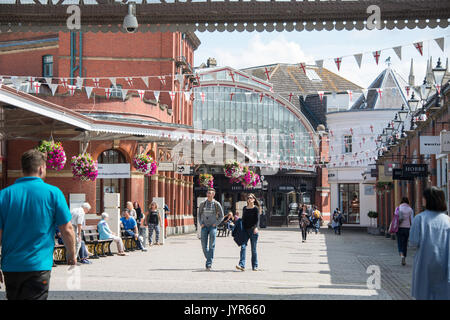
<point>105,233</point>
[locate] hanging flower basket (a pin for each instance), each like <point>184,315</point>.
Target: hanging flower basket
<point>84,168</point>
<point>234,171</point>
<point>56,157</point>
<point>145,164</point>
<point>206,180</point>
<point>250,179</point>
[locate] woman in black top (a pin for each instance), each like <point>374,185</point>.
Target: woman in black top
<point>250,222</point>
<point>153,221</point>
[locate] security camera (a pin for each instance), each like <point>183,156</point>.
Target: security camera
<point>130,23</point>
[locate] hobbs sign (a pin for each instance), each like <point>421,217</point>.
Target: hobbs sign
<point>445,141</point>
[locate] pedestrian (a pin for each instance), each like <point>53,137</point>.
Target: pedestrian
<point>153,222</point>
<point>405,215</point>
<point>430,233</point>
<point>166,211</point>
<point>210,214</point>
<point>78,221</point>
<point>335,221</point>
<point>304,223</point>
<point>30,209</point>
<point>309,215</point>
<point>250,222</point>
<point>130,227</point>
<point>139,214</point>
<point>316,217</point>
<point>131,210</point>
<point>105,233</point>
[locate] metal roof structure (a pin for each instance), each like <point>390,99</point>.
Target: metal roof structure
<point>226,15</point>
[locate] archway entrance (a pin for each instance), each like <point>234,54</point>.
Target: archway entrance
<point>111,185</point>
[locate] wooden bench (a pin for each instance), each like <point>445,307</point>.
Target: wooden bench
<point>128,243</point>
<point>100,248</point>
<point>222,230</point>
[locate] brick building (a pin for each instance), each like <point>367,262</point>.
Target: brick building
<point>112,129</point>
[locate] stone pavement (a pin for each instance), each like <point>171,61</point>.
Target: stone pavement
<point>327,266</point>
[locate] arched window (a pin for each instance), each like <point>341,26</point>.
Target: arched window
<point>111,185</point>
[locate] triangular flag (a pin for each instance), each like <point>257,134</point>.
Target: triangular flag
<point>179,78</point>
<point>202,95</point>
<point>145,79</point>
<point>163,80</point>
<point>302,66</point>
<point>376,55</point>
<point>349,92</point>
<point>440,42</point>
<point>172,95</point>
<point>358,58</point>
<point>36,87</point>
<point>407,88</point>
<point>319,64</point>
<point>380,91</point>
<point>96,82</point>
<point>321,93</point>
<point>261,96</point>
<point>88,91</point>
<point>108,92</point>
<point>113,81</point>
<point>31,80</point>
<point>231,96</point>
<point>53,87</point>
<point>141,94</point>
<point>365,92</point>
<point>290,96</point>
<point>419,47</point>
<point>124,94</point>
<point>17,81</point>
<point>48,80</point>
<point>71,89</point>
<point>129,81</point>
<point>338,62</point>
<point>79,82</point>
<point>267,75</point>
<point>156,93</point>
<point>398,51</point>
<point>438,88</point>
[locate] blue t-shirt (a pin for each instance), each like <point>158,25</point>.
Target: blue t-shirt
<point>128,224</point>
<point>103,230</point>
<point>30,209</point>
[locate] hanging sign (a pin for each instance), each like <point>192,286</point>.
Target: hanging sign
<point>430,145</point>
<point>114,171</point>
<point>445,142</point>
<point>415,170</point>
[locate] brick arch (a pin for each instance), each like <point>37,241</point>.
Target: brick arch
<point>106,146</point>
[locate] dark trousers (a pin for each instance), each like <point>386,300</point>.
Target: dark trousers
<point>27,285</point>
<point>304,233</point>
<point>402,240</point>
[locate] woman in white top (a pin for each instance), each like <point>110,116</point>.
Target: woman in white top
<point>405,214</point>
<point>131,210</point>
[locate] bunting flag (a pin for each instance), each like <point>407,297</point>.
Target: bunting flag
<point>419,47</point>
<point>88,91</point>
<point>156,94</point>
<point>202,95</point>
<point>321,93</point>
<point>145,79</point>
<point>71,89</point>
<point>319,64</point>
<point>261,96</point>
<point>398,52</point>
<point>48,80</point>
<point>36,86</point>
<point>231,96</point>
<point>231,75</point>
<point>376,55</point>
<point>53,87</point>
<point>172,95</point>
<point>290,96</point>
<point>267,74</point>
<point>440,42</point>
<point>349,92</point>
<point>351,131</point>
<point>79,83</point>
<point>17,82</point>
<point>113,81</point>
<point>358,58</point>
<point>124,94</point>
<point>302,66</point>
<point>108,92</point>
<point>141,94</point>
<point>163,80</point>
<point>371,128</point>
<point>407,88</point>
<point>96,82</point>
<point>129,81</point>
<point>379,90</point>
<point>365,92</point>
<point>31,80</point>
<point>438,88</point>
<point>338,62</point>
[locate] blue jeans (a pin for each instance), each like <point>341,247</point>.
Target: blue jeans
<point>253,241</point>
<point>208,252</point>
<point>138,242</point>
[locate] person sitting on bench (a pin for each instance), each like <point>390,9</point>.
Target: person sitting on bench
<point>130,227</point>
<point>105,234</point>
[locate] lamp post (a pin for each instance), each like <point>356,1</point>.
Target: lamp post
<point>438,73</point>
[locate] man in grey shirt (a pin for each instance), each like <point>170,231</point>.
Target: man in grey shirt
<point>210,214</point>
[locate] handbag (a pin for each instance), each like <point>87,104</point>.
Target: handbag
<point>393,227</point>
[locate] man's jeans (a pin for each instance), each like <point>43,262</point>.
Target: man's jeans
<point>208,252</point>
<point>253,241</point>
<point>138,241</point>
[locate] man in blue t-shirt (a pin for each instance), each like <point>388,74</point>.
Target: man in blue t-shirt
<point>130,227</point>
<point>29,212</point>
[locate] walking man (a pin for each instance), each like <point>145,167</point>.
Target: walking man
<point>78,221</point>
<point>210,214</point>
<point>29,211</point>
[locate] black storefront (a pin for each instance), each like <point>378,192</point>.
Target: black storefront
<point>279,195</point>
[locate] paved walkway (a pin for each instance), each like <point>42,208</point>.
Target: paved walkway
<point>327,266</point>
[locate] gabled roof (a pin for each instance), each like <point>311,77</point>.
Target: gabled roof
<point>392,94</point>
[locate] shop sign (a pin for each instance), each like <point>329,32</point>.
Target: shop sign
<point>165,166</point>
<point>374,173</point>
<point>286,188</point>
<point>445,142</point>
<point>389,166</point>
<point>186,170</point>
<point>415,170</point>
<point>430,145</point>
<point>397,174</point>
<point>113,171</point>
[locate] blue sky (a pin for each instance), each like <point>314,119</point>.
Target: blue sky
<point>247,49</point>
